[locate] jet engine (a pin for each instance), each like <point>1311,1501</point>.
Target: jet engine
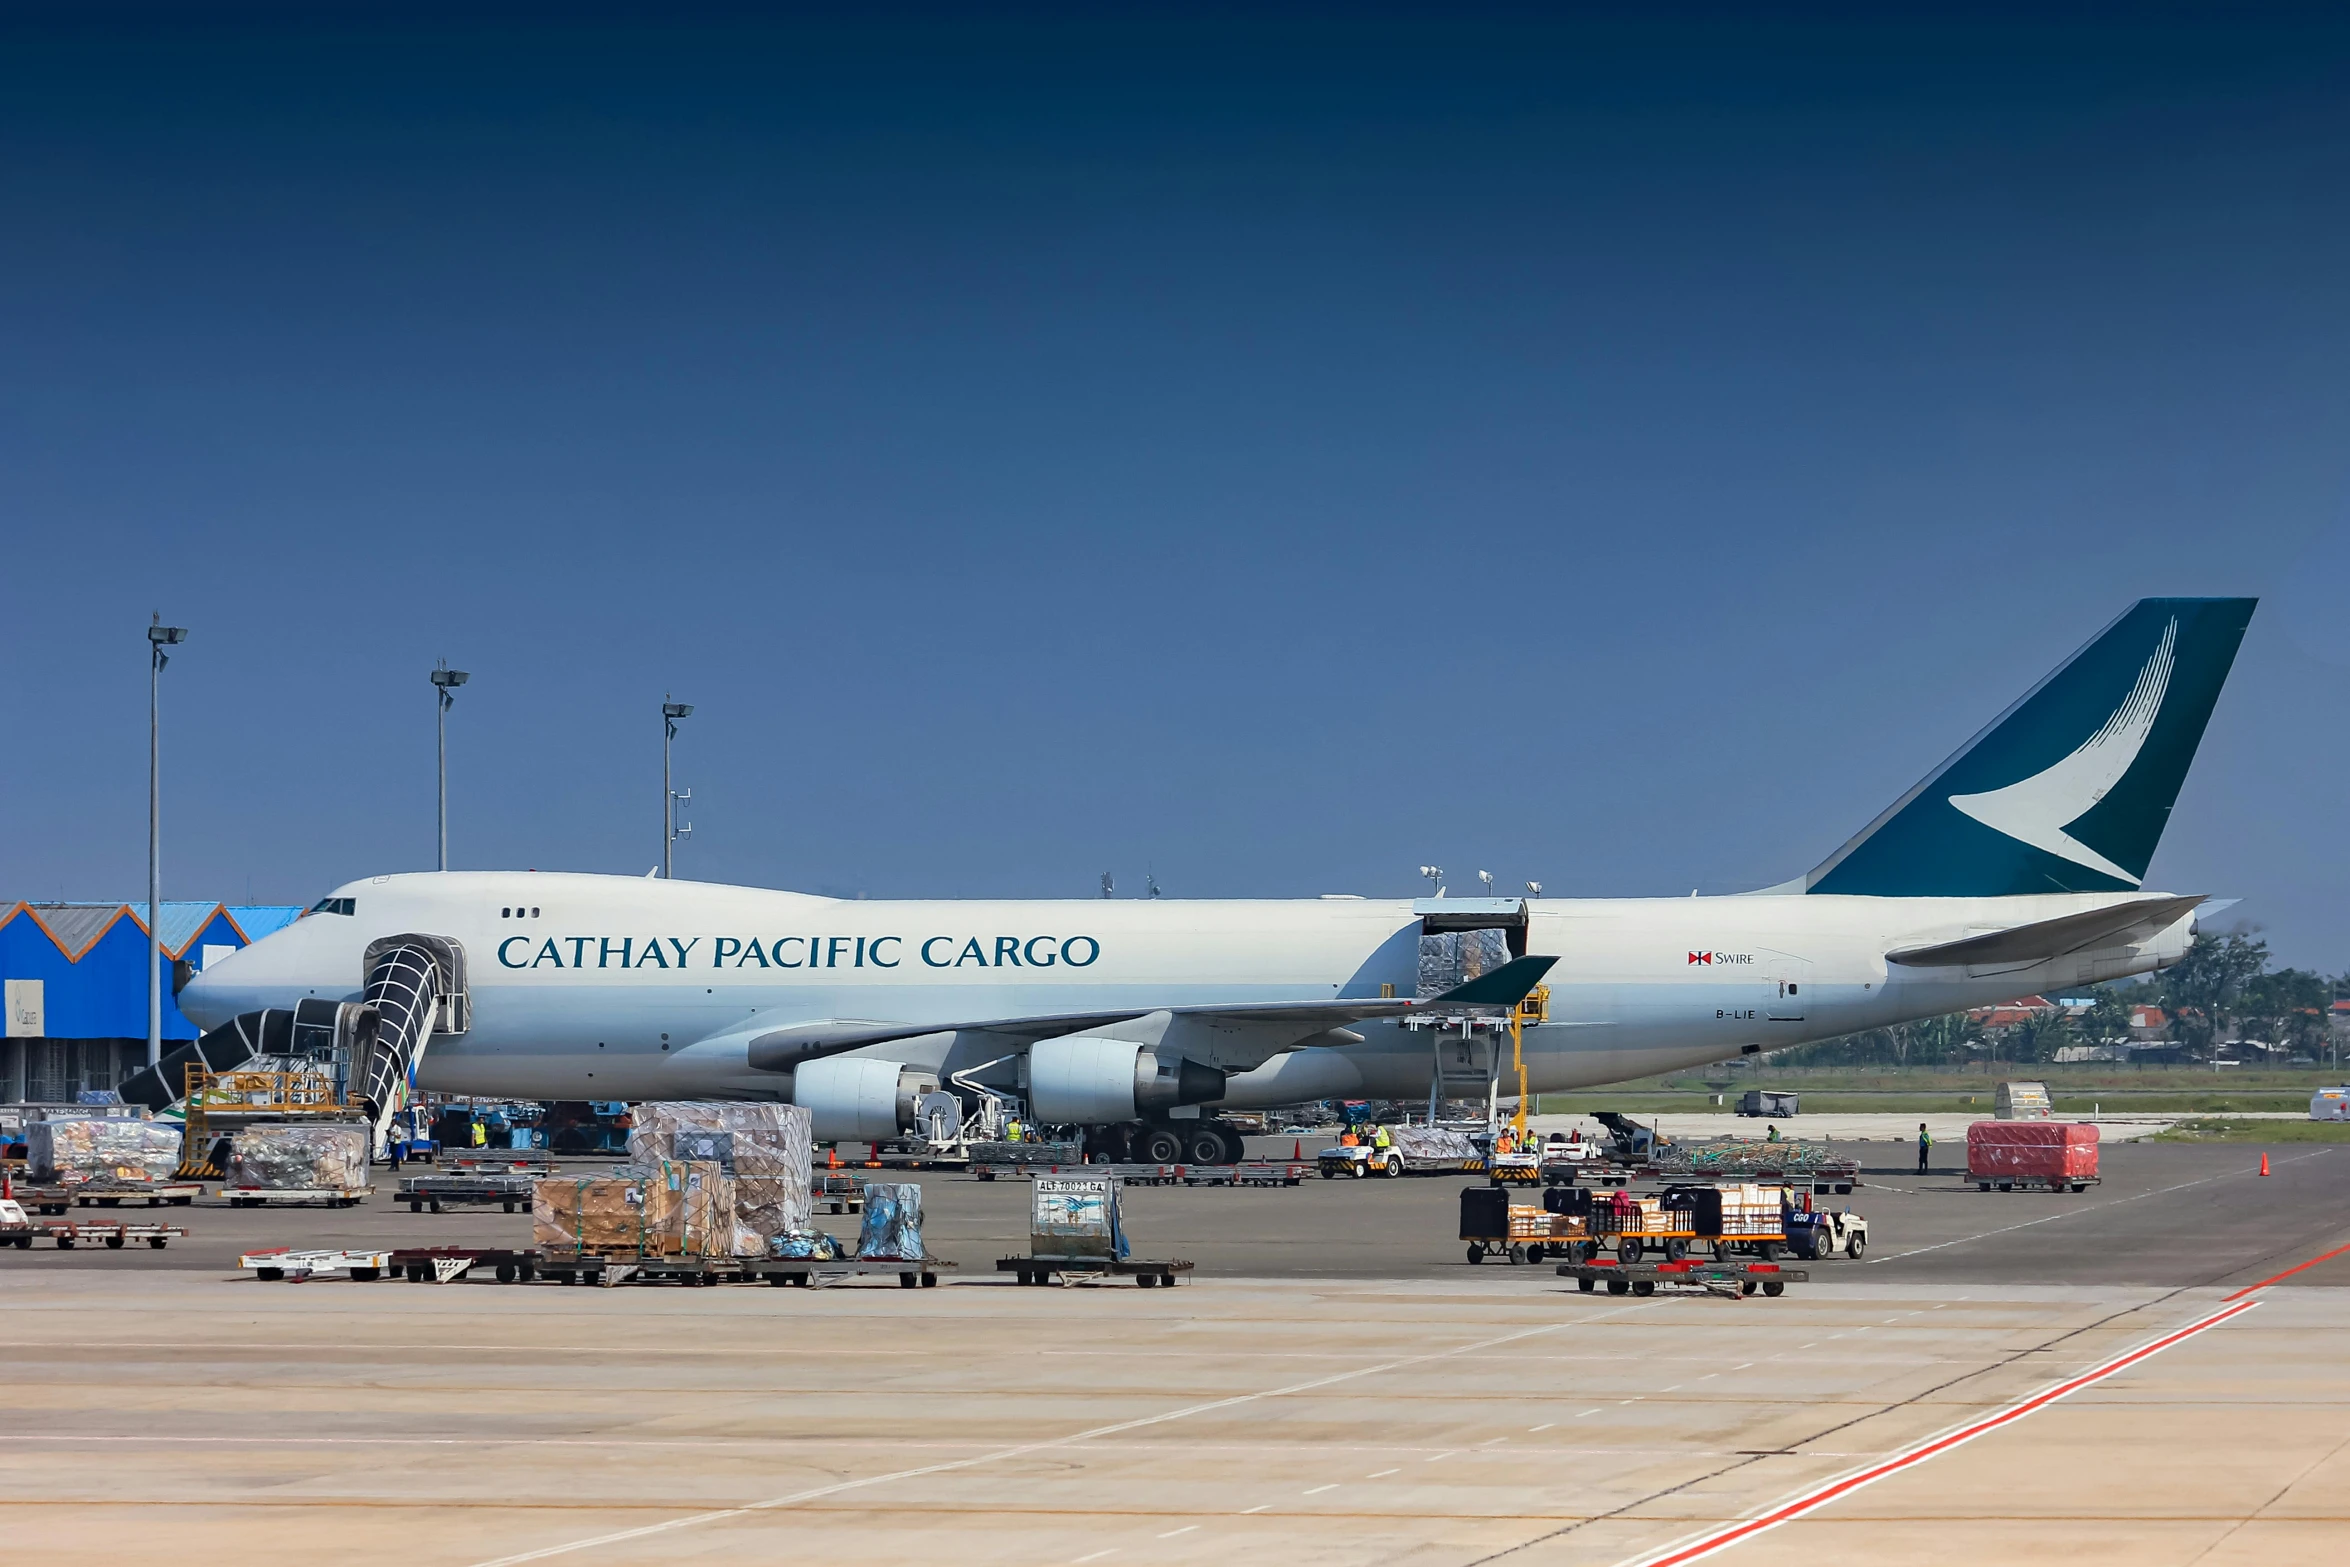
<point>1083,1081</point>
<point>857,1099</point>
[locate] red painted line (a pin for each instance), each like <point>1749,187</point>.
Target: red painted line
<point>1811,1501</point>
<point>2288,1273</point>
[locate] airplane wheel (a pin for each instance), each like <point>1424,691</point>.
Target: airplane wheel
<point>1207,1147</point>
<point>1160,1145</point>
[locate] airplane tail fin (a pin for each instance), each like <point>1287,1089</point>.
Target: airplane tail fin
<point>2069,789</point>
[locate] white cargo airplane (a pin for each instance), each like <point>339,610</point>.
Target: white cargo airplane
<point>2016,866</point>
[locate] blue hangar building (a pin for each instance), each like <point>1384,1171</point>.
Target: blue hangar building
<point>76,986</point>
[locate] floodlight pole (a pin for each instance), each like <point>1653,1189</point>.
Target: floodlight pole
<point>159,637</point>
<point>671,712</point>
<point>446,681</point>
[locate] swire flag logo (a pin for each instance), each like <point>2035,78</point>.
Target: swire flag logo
<point>1701,957</point>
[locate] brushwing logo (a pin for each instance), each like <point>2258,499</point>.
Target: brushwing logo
<point>2038,809</point>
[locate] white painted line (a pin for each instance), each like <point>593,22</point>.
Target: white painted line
<point>1095,1433</point>
<point>1260,1507</point>
<point>1319,1489</point>
<point>1747,1367</point>
<point>1675,1388</point>
<point>2068,1213</point>
<point>1171,1533</point>
<point>1436,1457</point>
<point>1709,1376</point>
<point>1489,1441</point>
<point>1383,1474</point>
<point>1587,1412</point>
<point>1690,1550</point>
<point>1095,1557</point>
<point>1546,1425</point>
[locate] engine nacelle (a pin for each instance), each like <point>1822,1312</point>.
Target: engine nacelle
<point>857,1099</point>
<point>1082,1081</point>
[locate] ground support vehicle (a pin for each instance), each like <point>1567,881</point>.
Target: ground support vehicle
<point>463,1189</point>
<point>299,1197</point>
<point>1821,1233</point>
<point>284,1262</point>
<point>1727,1279</point>
<point>1146,1272</point>
<point>1634,1233</point>
<point>1523,1168</point>
<point>839,1193</point>
<point>1494,1226</point>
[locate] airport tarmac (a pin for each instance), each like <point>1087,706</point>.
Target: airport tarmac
<point>1338,1385</point>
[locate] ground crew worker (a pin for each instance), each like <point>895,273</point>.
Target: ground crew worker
<point>1773,1135</point>
<point>1348,1139</point>
<point>481,1134</point>
<point>1012,1132</point>
<point>1381,1139</point>
<point>1925,1143</point>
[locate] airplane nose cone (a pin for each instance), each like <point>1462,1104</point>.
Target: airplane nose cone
<point>200,1001</point>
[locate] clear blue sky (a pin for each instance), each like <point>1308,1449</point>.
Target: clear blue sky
<point>1272,452</point>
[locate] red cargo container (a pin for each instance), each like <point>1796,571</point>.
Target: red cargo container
<point>2054,1154</point>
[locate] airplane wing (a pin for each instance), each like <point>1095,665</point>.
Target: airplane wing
<point>781,1049</point>
<point>2116,925</point>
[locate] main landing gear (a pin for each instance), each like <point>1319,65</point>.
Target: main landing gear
<point>1163,1142</point>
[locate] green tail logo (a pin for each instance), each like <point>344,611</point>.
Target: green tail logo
<point>2068,790</point>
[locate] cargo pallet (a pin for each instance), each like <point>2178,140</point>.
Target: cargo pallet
<point>67,1235</point>
<point>310,1197</point>
<point>1145,1272</point>
<point>422,1191</point>
<point>1715,1278</point>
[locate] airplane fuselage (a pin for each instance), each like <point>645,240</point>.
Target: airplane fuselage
<point>599,987</point>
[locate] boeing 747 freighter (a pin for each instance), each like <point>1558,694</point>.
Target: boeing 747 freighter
<point>2015,866</point>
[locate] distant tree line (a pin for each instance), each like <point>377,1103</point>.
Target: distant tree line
<point>2223,991</point>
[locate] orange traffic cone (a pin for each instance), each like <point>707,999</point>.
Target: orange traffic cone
<point>832,1157</point>
<point>1297,1149</point>
<point>2264,1164</point>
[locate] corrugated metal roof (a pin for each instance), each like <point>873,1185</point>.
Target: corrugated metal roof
<point>76,927</point>
<point>257,920</point>
<point>182,923</point>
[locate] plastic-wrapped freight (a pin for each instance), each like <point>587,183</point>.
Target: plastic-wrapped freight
<point>893,1221</point>
<point>1454,957</point>
<point>671,1208</point>
<point>102,1149</point>
<point>814,1246</point>
<point>2058,1151</point>
<point>764,1148</point>
<point>1426,1142</point>
<point>294,1157</point>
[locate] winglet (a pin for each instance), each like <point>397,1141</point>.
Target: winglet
<point>1506,986</point>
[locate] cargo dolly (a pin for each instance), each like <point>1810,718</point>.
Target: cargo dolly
<point>1145,1272</point>
<point>1249,1172</point>
<point>56,1199</point>
<point>1714,1278</point>
<point>66,1235</point>
<point>285,1262</point>
<point>842,1193</point>
<point>296,1197</point>
<point>460,1188</point>
<point>823,1272</point>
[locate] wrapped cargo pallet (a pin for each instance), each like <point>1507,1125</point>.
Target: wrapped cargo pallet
<point>299,1157</point>
<point>1425,1142</point>
<point>815,1246</point>
<point>1075,1216</point>
<point>893,1222</point>
<point>106,1150</point>
<point>672,1208</point>
<point>763,1148</point>
<point>2034,1153</point>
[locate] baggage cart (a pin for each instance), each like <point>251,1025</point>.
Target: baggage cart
<point>465,1189</point>
<point>299,1197</point>
<point>66,1234</point>
<point>823,1272</point>
<point>1728,1279</point>
<point>139,1194</point>
<point>840,1193</point>
<point>447,1264</point>
<point>1494,1226</point>
<point>1145,1271</point>
<point>286,1262</point>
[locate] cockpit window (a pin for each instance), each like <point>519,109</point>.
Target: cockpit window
<point>335,906</point>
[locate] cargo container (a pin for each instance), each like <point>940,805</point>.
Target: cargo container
<point>2012,1154</point>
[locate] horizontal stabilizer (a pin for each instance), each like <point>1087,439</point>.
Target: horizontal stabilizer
<point>2116,926</point>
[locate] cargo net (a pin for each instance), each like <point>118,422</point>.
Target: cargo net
<point>1454,957</point>
<point>764,1149</point>
<point>670,1208</point>
<point>295,1158</point>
